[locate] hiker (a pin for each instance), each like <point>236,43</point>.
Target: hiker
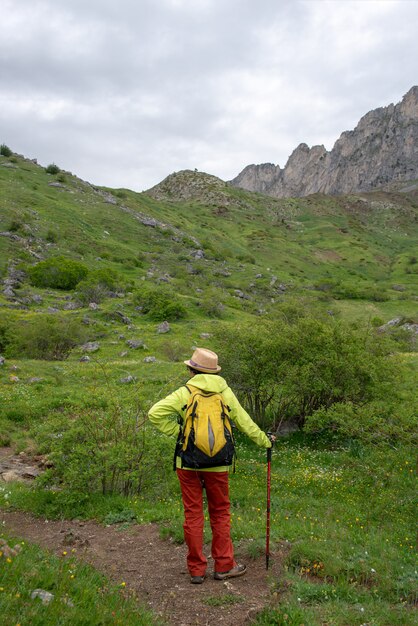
<point>203,371</point>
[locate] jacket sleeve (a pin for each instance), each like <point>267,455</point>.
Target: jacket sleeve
<point>244,422</point>
<point>163,415</point>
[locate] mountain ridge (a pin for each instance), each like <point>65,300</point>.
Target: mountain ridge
<point>381,150</point>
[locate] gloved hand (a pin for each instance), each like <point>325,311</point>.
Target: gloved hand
<point>272,438</point>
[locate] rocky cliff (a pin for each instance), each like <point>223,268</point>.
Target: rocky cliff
<point>382,149</point>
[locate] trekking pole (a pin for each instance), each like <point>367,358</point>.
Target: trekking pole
<point>269,435</point>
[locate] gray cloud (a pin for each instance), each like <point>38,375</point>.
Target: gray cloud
<point>122,94</point>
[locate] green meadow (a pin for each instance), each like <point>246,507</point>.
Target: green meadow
<point>246,275</point>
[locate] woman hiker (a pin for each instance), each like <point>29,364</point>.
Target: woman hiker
<point>203,370</point>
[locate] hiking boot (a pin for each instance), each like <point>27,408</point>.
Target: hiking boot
<point>238,570</point>
<point>197,580</point>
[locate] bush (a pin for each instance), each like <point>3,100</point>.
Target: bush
<point>100,284</point>
<point>211,305</point>
<point>160,303</point>
<point>57,273</point>
<point>4,327</point>
<point>16,226</point>
<point>51,236</point>
<point>106,451</point>
<point>290,371</point>
<point>377,422</point>
<point>52,169</point>
<point>48,337</point>
<point>5,150</point>
<point>96,452</point>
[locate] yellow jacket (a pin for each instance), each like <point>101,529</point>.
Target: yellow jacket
<point>164,413</point>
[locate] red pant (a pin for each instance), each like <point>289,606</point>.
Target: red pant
<point>192,484</point>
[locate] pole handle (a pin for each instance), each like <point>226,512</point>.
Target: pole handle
<point>270,435</point>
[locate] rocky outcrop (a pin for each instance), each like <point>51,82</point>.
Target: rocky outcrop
<point>382,149</point>
<point>188,185</point>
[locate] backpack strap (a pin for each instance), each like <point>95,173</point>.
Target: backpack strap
<point>180,435</point>
<point>225,416</point>
<point>183,408</point>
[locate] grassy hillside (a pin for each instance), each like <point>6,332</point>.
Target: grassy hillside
<point>198,233</point>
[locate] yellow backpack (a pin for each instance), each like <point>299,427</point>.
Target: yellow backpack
<point>205,438</point>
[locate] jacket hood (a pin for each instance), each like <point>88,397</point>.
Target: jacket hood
<point>208,382</point>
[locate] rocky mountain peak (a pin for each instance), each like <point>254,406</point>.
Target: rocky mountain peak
<point>382,149</point>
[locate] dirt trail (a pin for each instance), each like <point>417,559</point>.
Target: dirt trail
<point>153,568</point>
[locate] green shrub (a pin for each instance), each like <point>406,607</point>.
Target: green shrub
<point>5,150</point>
<point>97,451</point>
<point>159,303</point>
<point>52,169</point>
<point>211,305</point>
<point>57,273</point>
<point>5,325</point>
<point>376,321</point>
<point>384,421</point>
<point>16,226</point>
<point>51,236</point>
<point>48,337</point>
<point>99,284</point>
<point>246,258</point>
<point>292,370</point>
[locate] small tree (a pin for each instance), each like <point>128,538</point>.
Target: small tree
<point>249,357</point>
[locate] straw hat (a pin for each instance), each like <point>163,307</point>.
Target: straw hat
<point>204,360</point>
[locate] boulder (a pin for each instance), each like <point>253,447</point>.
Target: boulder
<point>10,476</point>
<point>123,318</point>
<point>163,328</point>
<point>45,596</point>
<point>127,380</point>
<point>136,343</point>
<point>91,346</point>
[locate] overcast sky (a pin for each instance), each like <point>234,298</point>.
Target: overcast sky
<point>123,93</point>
